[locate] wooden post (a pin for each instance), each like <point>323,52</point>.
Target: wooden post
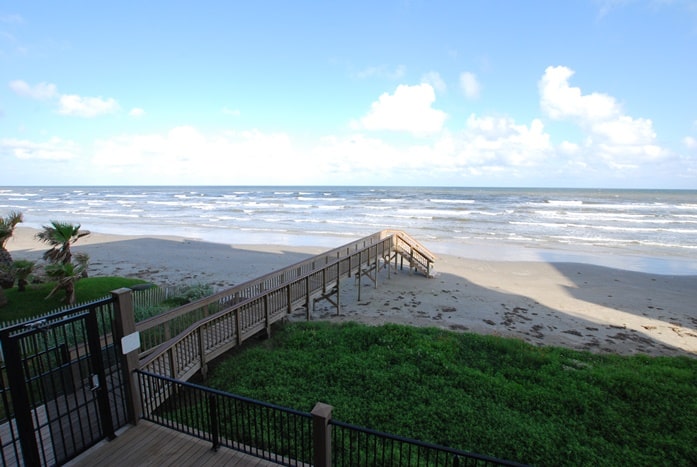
<point>307,297</point>
<point>377,266</point>
<point>202,351</point>
<point>338,295</point>
<point>172,363</point>
<point>266,315</point>
<point>238,325</point>
<point>125,325</point>
<point>322,434</point>
<point>359,283</point>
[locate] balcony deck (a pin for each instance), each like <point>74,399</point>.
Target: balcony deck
<point>148,444</point>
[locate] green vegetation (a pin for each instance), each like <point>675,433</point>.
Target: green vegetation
<point>183,295</point>
<point>33,301</point>
<point>495,396</point>
<point>7,228</point>
<point>59,236</point>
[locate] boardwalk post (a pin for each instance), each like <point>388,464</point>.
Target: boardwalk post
<point>322,434</point>
<point>267,317</point>
<point>358,276</point>
<point>377,266</point>
<point>200,336</point>
<point>125,325</point>
<point>238,326</point>
<point>338,290</point>
<point>307,297</point>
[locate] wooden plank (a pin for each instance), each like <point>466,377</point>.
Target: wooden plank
<point>149,444</point>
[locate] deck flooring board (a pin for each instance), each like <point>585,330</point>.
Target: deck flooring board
<point>149,444</point>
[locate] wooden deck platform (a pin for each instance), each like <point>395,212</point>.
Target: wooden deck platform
<point>148,444</point>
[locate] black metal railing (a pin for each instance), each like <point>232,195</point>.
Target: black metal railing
<point>263,430</point>
<point>354,445</point>
<point>282,435</point>
<point>61,385</point>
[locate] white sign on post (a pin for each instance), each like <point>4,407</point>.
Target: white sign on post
<point>130,343</point>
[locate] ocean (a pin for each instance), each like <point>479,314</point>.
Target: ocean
<point>641,230</point>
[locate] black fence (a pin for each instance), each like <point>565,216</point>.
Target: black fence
<point>286,436</point>
<point>61,385</point>
<point>262,430</point>
<point>353,445</point>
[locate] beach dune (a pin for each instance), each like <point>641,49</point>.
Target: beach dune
<point>579,306</point>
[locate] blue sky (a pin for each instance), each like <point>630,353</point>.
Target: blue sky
<point>594,93</point>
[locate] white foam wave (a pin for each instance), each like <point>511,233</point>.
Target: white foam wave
<point>452,201</point>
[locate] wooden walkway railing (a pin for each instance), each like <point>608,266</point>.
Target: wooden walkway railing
<point>181,342</point>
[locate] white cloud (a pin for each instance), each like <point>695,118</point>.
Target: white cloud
<point>11,19</point>
<point>382,71</point>
<point>68,104</point>
<point>559,100</point>
<point>409,109</point>
<point>433,78</point>
<point>186,155</point>
<point>488,146</point>
<point>689,142</point>
<point>88,107</point>
<point>500,142</point>
<point>625,131</point>
<point>569,148</point>
<point>41,91</point>
<point>469,85</point>
<point>232,112</point>
<point>136,112</point>
<point>612,138</point>
<point>54,149</point>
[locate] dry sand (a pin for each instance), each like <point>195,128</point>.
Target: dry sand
<point>579,306</point>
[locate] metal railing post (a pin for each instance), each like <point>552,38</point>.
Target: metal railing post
<point>215,428</point>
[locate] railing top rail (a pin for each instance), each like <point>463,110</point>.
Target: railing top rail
<point>53,316</point>
<point>418,443</point>
<point>412,241</point>
<point>224,394</point>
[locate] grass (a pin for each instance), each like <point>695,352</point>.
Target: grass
<point>33,301</point>
<point>495,396</point>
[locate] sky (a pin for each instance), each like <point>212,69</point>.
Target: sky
<point>573,93</point>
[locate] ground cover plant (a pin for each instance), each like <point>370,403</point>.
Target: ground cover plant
<point>490,395</point>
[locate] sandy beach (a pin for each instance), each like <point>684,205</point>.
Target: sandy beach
<point>580,306</point>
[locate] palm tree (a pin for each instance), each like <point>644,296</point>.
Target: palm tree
<point>60,235</point>
<point>66,276</point>
<point>82,259</point>
<point>7,228</point>
<point>22,268</point>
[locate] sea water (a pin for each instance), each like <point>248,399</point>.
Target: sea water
<point>642,230</point>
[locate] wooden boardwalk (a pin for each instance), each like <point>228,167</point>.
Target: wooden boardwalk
<point>149,444</point>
